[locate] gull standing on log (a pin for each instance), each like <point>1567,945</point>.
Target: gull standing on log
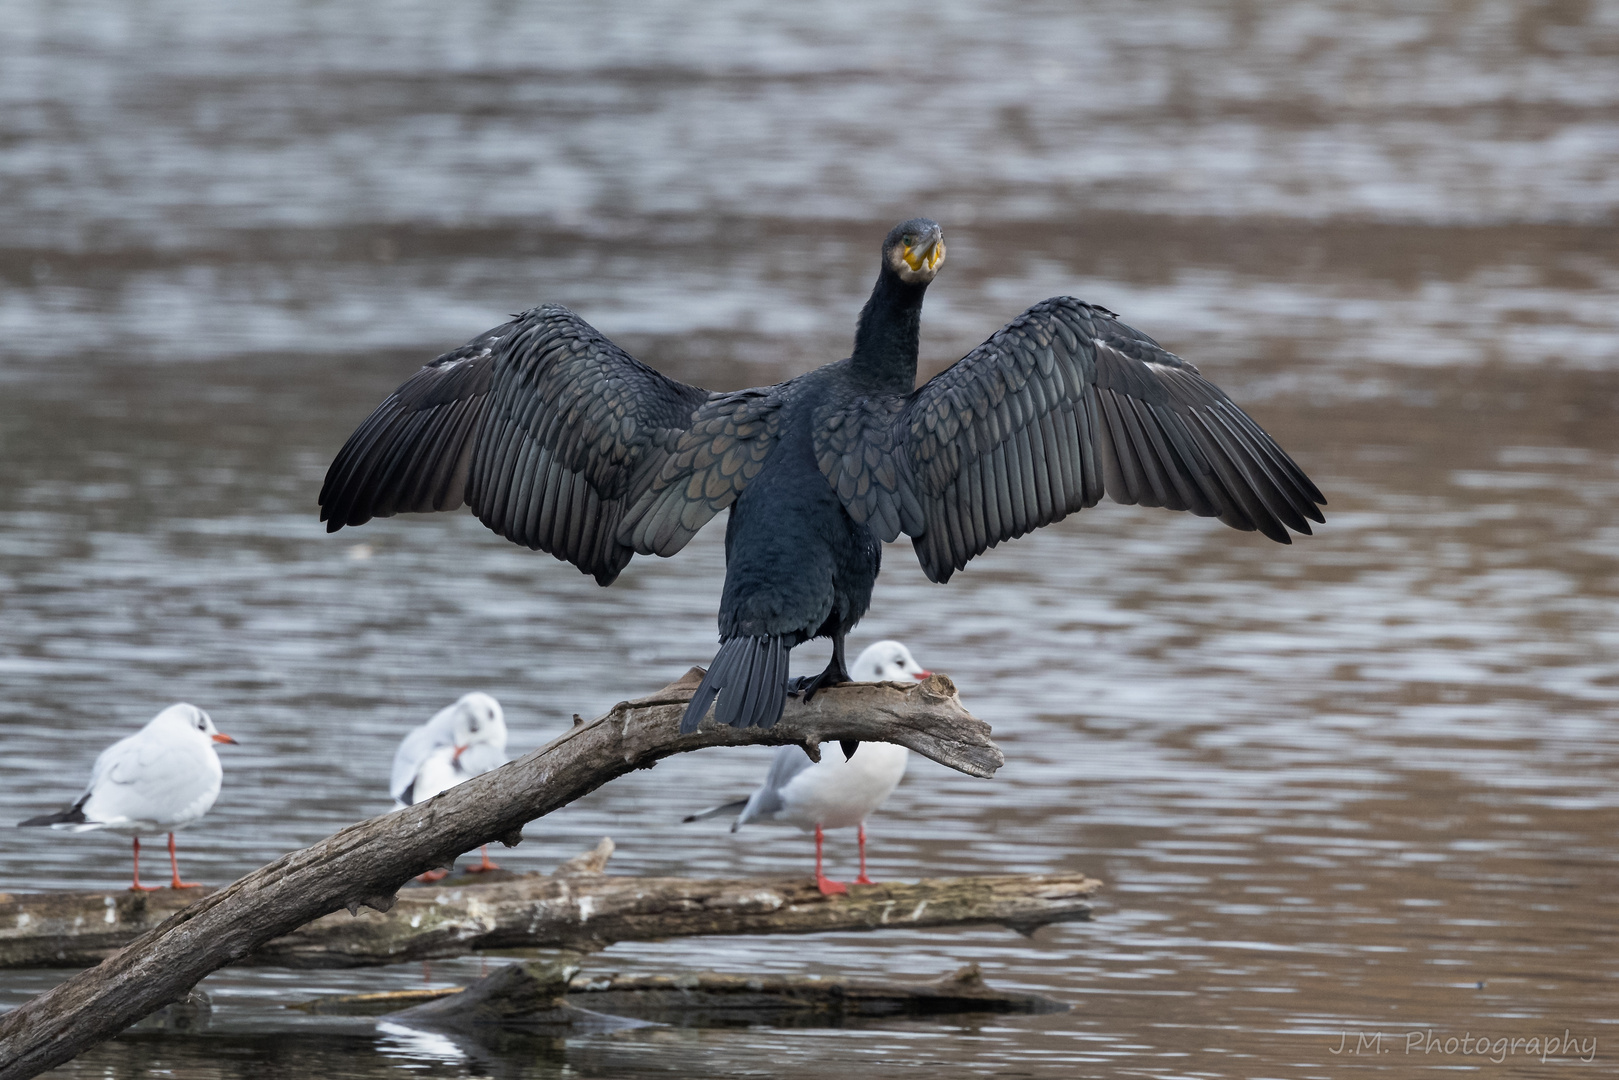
<point>160,779</point>
<point>560,440</point>
<point>839,790</point>
<point>461,741</point>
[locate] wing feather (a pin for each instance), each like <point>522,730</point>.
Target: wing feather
<point>705,470</point>
<point>1061,406</point>
<point>558,440</point>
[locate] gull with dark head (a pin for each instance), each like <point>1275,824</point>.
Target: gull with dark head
<point>843,788</point>
<point>159,780</point>
<point>461,741</point>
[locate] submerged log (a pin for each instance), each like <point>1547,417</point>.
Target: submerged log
<point>366,864</point>
<point>578,908</point>
<point>555,994</point>
<point>707,998</point>
<point>528,995</point>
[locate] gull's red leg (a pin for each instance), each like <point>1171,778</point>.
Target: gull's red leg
<point>485,865</point>
<point>827,887</point>
<point>863,879</point>
<point>137,886</point>
<point>174,868</point>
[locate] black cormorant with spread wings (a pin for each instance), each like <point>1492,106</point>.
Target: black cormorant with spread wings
<point>560,440</point>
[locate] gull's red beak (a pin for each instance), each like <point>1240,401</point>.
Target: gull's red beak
<point>920,675</point>
<point>459,750</point>
<point>217,737</point>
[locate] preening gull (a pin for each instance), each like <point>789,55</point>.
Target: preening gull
<point>160,779</point>
<point>842,788</point>
<point>461,741</point>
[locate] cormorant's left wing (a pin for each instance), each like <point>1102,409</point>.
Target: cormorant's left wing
<point>1061,405</point>
<point>557,439</point>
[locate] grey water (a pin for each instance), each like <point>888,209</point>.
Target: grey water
<point>1341,793</point>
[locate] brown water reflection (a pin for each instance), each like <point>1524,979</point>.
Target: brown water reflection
<point>1362,785</point>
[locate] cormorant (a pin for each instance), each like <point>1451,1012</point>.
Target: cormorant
<point>560,440</point>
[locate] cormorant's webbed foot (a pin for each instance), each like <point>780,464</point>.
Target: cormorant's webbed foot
<point>810,685</point>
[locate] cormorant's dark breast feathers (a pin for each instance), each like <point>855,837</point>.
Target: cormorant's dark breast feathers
<point>1063,404</point>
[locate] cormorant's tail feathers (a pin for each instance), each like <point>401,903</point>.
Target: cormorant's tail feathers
<point>715,811</point>
<point>752,673</point>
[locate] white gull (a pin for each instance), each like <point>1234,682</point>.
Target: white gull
<point>158,780</point>
<point>840,790</point>
<point>461,741</point>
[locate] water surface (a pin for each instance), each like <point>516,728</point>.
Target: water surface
<point>1362,784</point>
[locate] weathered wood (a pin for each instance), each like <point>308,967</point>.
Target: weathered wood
<point>530,995</point>
<point>584,912</point>
<point>702,999</point>
<point>556,994</point>
<point>80,929</point>
<point>365,864</point>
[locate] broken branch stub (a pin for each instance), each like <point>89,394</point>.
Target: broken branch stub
<point>366,863</point>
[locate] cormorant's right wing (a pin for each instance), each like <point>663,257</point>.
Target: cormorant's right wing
<point>1061,405</point>
<point>1066,402</point>
<point>557,439</point>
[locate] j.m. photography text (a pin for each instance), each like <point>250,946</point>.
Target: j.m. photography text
<point>1494,1048</point>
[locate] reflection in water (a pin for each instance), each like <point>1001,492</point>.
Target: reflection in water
<point>1362,785</point>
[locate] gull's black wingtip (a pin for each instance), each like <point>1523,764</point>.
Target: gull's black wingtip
<point>73,815</point>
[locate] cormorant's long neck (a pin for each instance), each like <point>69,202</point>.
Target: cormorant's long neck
<point>888,334</point>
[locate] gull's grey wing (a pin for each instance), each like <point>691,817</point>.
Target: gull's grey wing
<point>766,802</point>
<point>413,750</point>
<point>1061,405</point>
<point>136,759</point>
<point>552,434</point>
<point>145,778</point>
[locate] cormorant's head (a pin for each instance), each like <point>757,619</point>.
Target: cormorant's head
<point>915,250</point>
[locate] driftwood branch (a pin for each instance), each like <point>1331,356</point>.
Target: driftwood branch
<point>577,912</point>
<point>556,996</point>
<point>365,864</point>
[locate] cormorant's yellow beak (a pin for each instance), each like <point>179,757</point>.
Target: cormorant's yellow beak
<point>928,255</point>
